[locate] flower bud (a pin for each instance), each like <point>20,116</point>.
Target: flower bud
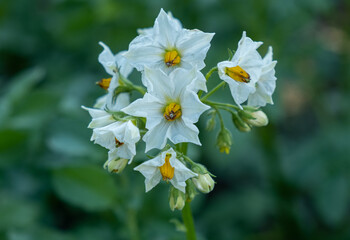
<point>256,119</point>
<point>204,183</point>
<point>224,140</point>
<point>210,124</point>
<point>116,165</point>
<point>199,168</point>
<point>177,199</point>
<point>240,124</point>
<point>191,191</point>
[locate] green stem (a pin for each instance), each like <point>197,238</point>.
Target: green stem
<point>188,221</point>
<point>221,104</point>
<point>207,76</point>
<point>213,91</point>
<point>186,211</point>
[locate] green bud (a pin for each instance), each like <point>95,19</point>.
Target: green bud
<point>199,168</point>
<point>257,119</point>
<point>224,140</point>
<point>204,183</point>
<point>177,199</point>
<point>191,191</point>
<point>211,123</point>
<point>116,165</point>
<point>239,123</point>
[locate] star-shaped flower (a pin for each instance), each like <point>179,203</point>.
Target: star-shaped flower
<point>167,167</point>
<point>266,84</point>
<point>170,107</point>
<point>169,46</point>
<point>243,70</point>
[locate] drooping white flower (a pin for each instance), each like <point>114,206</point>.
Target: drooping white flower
<point>170,107</point>
<point>169,46</point>
<point>167,167</point>
<point>100,118</point>
<point>243,70</point>
<point>266,84</point>
<point>114,65</point>
<point>119,137</point>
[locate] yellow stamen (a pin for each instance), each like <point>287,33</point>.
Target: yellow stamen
<point>117,143</point>
<point>166,169</point>
<point>172,111</point>
<point>237,73</point>
<point>172,58</point>
<point>104,83</point>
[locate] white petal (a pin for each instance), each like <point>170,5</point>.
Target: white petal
<point>180,131</point>
<point>147,106</point>
<point>143,52</point>
<point>106,58</point>
<point>179,185</point>
<point>157,136</point>
<point>166,30</point>
<point>194,45</point>
<point>159,83</point>
<point>191,106</point>
<point>124,66</point>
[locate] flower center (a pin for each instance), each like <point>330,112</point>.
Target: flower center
<point>166,169</point>
<point>172,111</point>
<point>104,83</point>
<point>117,143</point>
<point>172,58</point>
<point>237,73</point>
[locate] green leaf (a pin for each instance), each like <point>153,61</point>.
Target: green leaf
<point>16,212</point>
<point>21,86</point>
<point>88,187</point>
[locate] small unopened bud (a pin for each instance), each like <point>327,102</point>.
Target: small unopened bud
<point>211,123</point>
<point>239,123</point>
<point>116,165</point>
<point>224,140</point>
<point>257,119</point>
<point>177,199</point>
<point>204,183</point>
<point>191,191</point>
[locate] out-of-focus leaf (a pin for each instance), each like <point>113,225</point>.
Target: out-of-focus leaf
<point>69,144</point>
<point>36,233</point>
<point>87,187</point>
<point>15,212</point>
<point>20,87</point>
<point>332,199</point>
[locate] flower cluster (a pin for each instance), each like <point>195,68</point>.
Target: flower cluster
<point>170,59</point>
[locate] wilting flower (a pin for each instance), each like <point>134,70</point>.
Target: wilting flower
<point>167,167</point>
<point>114,65</point>
<point>266,84</point>
<point>243,70</point>
<point>119,137</point>
<point>169,46</point>
<point>170,108</point>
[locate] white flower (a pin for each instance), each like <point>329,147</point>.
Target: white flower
<point>168,46</point>
<point>113,64</point>
<point>243,70</point>
<point>119,137</point>
<point>100,118</point>
<point>266,84</point>
<point>170,108</point>
<point>168,167</point>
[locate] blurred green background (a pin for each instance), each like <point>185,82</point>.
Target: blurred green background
<point>289,180</point>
